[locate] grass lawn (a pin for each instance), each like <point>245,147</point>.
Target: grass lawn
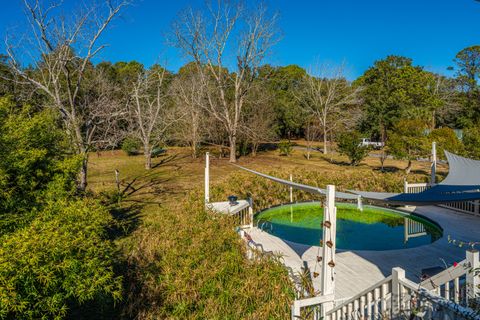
<point>168,238</point>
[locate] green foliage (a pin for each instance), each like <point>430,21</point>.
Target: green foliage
<point>32,150</point>
<point>394,89</point>
<point>284,84</point>
<point>349,144</point>
<point>62,256</point>
<point>446,139</point>
<point>471,141</point>
<point>131,146</point>
<point>468,63</point>
<point>408,141</point>
<point>53,250</point>
<point>468,97</point>
<point>285,147</point>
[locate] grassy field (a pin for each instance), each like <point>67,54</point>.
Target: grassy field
<point>179,262</point>
<point>176,173</point>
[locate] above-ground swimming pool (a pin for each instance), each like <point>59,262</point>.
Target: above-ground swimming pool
<point>374,228</point>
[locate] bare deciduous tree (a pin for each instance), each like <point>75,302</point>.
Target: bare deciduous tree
<point>188,92</point>
<point>259,119</point>
<point>444,92</point>
<point>227,28</point>
<point>61,49</point>
<point>311,134</point>
<point>326,96</point>
<point>151,117</point>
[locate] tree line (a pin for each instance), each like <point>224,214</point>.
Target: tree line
<point>226,96</point>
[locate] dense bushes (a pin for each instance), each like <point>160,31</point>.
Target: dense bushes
<point>31,158</point>
<point>54,254</point>
<point>131,146</point>
<point>446,139</point>
<point>471,140</point>
<point>59,258</point>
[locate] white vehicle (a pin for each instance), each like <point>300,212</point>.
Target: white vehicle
<point>365,142</point>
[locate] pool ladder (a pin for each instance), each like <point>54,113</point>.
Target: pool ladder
<point>262,224</point>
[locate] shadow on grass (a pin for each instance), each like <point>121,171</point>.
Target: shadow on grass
<point>126,221</point>
<point>338,162</point>
<point>150,184</point>
<point>389,169</point>
<point>126,206</point>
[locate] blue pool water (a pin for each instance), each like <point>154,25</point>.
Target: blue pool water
<point>373,228</point>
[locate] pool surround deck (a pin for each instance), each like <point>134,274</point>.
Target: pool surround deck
<point>359,269</point>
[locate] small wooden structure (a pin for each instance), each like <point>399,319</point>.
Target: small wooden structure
<point>242,209</point>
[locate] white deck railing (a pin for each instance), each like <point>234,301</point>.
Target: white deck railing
<point>471,207</point>
<point>396,297</point>
<point>244,217</point>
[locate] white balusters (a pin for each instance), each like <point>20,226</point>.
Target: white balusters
<point>456,290</point>
<point>446,292</point>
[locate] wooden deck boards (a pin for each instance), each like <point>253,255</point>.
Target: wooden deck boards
<point>357,270</point>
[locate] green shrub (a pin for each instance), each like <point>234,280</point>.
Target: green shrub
<point>60,258</point>
<point>31,153</point>
<point>349,144</point>
<point>131,146</point>
<point>408,141</point>
<point>285,147</point>
<point>471,141</point>
<point>446,139</point>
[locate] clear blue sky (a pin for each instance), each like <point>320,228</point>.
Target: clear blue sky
<point>357,32</point>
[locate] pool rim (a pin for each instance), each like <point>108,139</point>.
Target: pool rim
<point>403,212</point>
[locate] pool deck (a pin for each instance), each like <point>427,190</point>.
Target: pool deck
<point>358,270</point>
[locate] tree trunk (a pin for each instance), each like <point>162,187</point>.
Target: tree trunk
<point>82,179</point>
<point>324,141</point>
<point>194,150</point>
<point>409,167</point>
<point>254,149</point>
<point>233,149</point>
<point>383,157</point>
<point>148,158</point>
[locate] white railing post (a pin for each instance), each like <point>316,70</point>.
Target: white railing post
<point>472,276</point>
<point>291,189</point>
<point>405,185</point>
<point>433,169</point>
<point>359,203</point>
<point>296,310</point>
<point>329,243</point>
<point>207,178</point>
<point>398,274</point>
<point>250,211</point>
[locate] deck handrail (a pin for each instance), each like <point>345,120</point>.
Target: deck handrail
<point>446,275</point>
<point>393,296</point>
<point>361,294</point>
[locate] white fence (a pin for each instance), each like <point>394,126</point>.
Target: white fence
<point>244,217</point>
<point>472,207</point>
<point>396,297</point>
